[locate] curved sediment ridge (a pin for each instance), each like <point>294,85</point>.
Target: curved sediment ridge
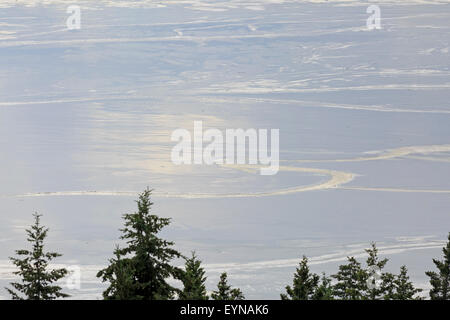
<point>336,180</point>
<point>390,154</point>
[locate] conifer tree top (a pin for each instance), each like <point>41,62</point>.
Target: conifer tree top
<point>37,280</point>
<point>142,266</point>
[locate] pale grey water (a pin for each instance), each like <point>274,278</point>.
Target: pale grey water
<point>93,110</point>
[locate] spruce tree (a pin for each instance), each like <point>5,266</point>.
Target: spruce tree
<point>120,274</point>
<point>403,288</point>
<point>305,283</point>
<point>225,292</point>
<point>324,290</point>
<point>350,281</point>
<point>193,280</point>
<point>37,280</point>
<point>143,266</point>
<point>440,281</point>
<point>357,283</point>
<point>390,290</point>
<point>376,289</point>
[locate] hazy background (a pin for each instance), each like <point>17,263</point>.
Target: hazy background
<point>91,111</point>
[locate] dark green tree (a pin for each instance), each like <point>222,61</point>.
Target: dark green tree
<point>193,280</point>
<point>225,292</point>
<point>305,283</point>
<point>350,281</point>
<point>141,269</point>
<point>37,280</point>
<point>390,290</point>
<point>378,283</point>
<point>324,290</point>
<point>402,288</point>
<point>370,283</point>
<point>121,277</point>
<point>440,281</point>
